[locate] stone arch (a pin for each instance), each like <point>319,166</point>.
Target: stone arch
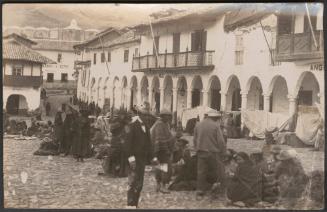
<point>254,94</point>
<point>134,87</point>
<point>168,93</point>
<point>181,95</point>
<point>16,104</point>
<point>92,90</point>
<point>116,100</point>
<point>307,89</point>
<point>99,99</point>
<point>233,95</point>
<point>144,89</point>
<point>278,92</point>
<point>197,95</point>
<point>105,91</point>
<point>124,86</point>
<point>214,96</point>
<point>155,98</point>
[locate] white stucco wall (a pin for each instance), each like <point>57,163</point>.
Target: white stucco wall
<point>32,96</point>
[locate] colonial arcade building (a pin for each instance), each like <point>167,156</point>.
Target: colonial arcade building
<point>228,58</point>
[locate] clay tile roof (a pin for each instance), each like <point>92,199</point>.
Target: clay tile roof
<point>55,45</point>
<point>127,37</point>
<point>11,51</point>
<point>19,37</point>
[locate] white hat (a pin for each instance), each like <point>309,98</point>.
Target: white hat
<point>213,113</point>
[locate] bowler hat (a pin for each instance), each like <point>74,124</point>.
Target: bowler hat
<point>284,155</point>
<point>165,112</point>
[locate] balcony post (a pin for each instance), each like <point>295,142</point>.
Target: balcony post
<point>186,57</point>
<point>165,58</point>
<point>147,59</point>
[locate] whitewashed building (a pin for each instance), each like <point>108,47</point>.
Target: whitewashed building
<point>22,74</point>
<point>228,58</point>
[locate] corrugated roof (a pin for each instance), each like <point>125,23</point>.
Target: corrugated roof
<point>12,51</point>
<point>57,45</point>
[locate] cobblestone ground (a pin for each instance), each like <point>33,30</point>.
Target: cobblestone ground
<point>59,182</point>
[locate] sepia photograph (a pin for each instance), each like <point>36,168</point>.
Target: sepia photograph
<point>163,106</point>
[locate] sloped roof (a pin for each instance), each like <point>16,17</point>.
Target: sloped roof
<point>12,51</point>
<point>57,45</point>
<point>19,38</point>
<point>127,37</point>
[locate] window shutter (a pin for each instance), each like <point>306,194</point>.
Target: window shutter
<point>193,43</point>
<point>204,41</point>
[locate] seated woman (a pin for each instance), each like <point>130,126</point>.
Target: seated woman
<point>246,184</point>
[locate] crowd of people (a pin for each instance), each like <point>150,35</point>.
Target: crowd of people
<point>136,139</point>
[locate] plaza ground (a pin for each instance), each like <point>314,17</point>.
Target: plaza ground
<point>61,182</point>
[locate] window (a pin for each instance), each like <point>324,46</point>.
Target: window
<point>313,20</point>
<point>176,42</point>
<point>284,24</point>
<point>95,58</point>
<point>17,70</point>
<point>239,42</point>
<point>156,44</point>
<point>126,53</point>
<point>109,56</point>
<point>50,77</point>
<point>103,57</point>
<point>136,52</point>
<point>198,40</point>
<point>64,77</point>
<point>239,57</point>
<point>59,58</point>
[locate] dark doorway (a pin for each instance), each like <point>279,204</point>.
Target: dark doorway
<point>157,101</point>
<point>132,99</point>
<point>236,100</point>
<point>215,99</point>
<point>195,98</point>
<point>13,104</point>
<point>305,98</point>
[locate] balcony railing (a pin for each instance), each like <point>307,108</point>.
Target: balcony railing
<point>183,60</point>
<point>22,81</point>
<point>300,46</point>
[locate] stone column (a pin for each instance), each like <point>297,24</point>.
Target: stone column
<point>162,97</point>
<point>175,93</point>
<point>189,98</point>
<point>128,98</point>
<point>266,102</point>
<point>292,104</point>
<point>139,96</point>
<point>111,96</point>
<point>205,97</point>
<point>223,101</point>
<point>244,101</point>
<point>150,98</point>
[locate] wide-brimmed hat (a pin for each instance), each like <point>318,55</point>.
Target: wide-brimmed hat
<point>165,112</point>
<point>276,149</point>
<point>213,113</point>
<point>284,155</point>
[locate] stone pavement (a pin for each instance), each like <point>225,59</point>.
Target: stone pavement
<point>60,182</point>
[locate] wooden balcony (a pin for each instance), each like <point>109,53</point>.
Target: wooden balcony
<point>22,81</point>
<point>174,61</point>
<point>301,46</point>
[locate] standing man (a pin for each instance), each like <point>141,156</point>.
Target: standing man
<point>210,147</point>
<point>163,142</point>
<point>137,147</point>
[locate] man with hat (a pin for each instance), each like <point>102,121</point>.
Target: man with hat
<point>210,146</point>
<point>163,142</point>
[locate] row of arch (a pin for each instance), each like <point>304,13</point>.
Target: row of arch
<point>192,92</point>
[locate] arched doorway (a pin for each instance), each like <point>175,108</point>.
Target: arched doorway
<point>197,87</point>
<point>106,99</point>
<point>99,99</point>
<point>144,90</point>
<point>116,93</point>
<point>133,91</point>
<point>92,90</point>
<point>181,95</point>
<point>124,92</point>
<point>214,93</point>
<point>168,93</point>
<point>16,105</point>
<point>254,97</point>
<point>155,98</point>
<point>278,98</point>
<point>233,99</point>
<point>307,89</point>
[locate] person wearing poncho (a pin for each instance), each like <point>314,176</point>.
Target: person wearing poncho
<point>163,143</point>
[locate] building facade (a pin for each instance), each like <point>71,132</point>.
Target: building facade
<point>226,59</point>
<point>57,44</point>
<point>22,75</point>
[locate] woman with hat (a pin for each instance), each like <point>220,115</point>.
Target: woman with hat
<point>81,129</point>
<point>291,178</point>
<point>246,184</point>
<point>163,142</point>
